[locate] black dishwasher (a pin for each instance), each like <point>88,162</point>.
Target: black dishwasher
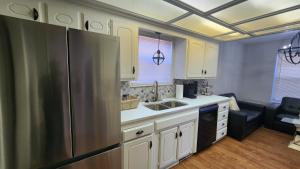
<point>207,126</point>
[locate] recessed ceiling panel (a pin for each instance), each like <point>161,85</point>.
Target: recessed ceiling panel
<point>253,8</point>
<point>203,26</point>
<point>286,28</point>
<point>205,5</point>
<point>232,36</point>
<point>156,9</point>
<point>280,19</point>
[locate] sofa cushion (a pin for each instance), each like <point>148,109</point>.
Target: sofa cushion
<point>251,115</point>
<point>291,105</point>
<point>281,116</point>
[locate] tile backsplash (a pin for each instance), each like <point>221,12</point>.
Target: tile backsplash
<point>145,92</point>
<point>164,91</point>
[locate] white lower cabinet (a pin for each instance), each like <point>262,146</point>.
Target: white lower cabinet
<point>185,141</point>
<point>138,153</point>
<point>168,147</point>
<point>175,144</point>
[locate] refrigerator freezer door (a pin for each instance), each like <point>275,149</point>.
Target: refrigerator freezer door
<point>107,160</point>
<point>95,90</point>
<point>35,123</point>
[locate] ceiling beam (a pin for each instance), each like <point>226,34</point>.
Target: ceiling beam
<point>131,15</point>
<point>277,26</point>
<point>228,33</point>
<point>266,15</point>
<point>202,14</point>
<point>224,6</point>
<point>179,17</point>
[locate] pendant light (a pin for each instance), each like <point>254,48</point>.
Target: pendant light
<point>292,51</point>
<point>158,57</point>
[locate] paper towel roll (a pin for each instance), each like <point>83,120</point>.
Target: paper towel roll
<point>179,91</point>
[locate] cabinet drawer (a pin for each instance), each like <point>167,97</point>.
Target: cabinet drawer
<point>223,107</point>
<point>139,131</point>
<point>222,124</point>
<point>221,133</point>
<point>222,115</point>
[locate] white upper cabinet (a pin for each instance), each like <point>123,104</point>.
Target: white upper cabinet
<point>138,153</point>
<point>211,60</point>
<point>96,22</point>
<point>63,14</point>
<point>186,140</point>
<point>21,9</point>
<point>168,147</point>
<point>128,34</point>
<point>195,59</point>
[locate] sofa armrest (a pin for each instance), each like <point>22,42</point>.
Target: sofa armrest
<point>236,124</point>
<point>270,114</point>
<point>251,106</point>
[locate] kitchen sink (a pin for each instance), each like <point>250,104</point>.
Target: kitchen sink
<point>173,104</point>
<point>156,107</point>
<point>165,105</point>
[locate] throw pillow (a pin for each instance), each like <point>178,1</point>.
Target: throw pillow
<point>233,104</point>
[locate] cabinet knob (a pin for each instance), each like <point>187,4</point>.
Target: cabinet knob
<point>202,71</point>
<point>35,14</point>
<point>180,134</point>
<point>86,25</point>
<point>139,132</point>
<point>205,72</point>
<point>133,70</point>
<point>176,135</point>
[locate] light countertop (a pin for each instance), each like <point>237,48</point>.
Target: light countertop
<point>143,113</point>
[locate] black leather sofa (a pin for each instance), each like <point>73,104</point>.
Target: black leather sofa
<point>289,107</point>
<point>244,122</point>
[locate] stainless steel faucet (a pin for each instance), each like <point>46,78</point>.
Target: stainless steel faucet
<point>155,91</point>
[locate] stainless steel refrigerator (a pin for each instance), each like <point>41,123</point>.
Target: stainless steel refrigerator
<point>59,97</point>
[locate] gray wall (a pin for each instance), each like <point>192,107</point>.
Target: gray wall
<point>258,71</point>
<point>229,68</point>
<point>247,68</point>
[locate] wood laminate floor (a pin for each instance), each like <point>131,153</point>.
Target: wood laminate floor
<point>263,149</point>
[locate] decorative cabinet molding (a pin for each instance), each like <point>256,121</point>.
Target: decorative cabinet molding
<point>96,22</point>
<point>137,154</point>
<point>63,15</point>
<point>128,34</point>
<point>195,59</point>
<point>186,140</point>
<point>210,66</point>
<point>175,144</point>
<point>29,10</point>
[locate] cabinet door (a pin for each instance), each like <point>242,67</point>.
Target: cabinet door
<point>20,9</point>
<point>195,58</point>
<point>128,48</point>
<point>63,14</point>
<point>168,147</point>
<point>211,60</point>
<point>138,153</point>
<point>96,22</point>
<point>185,140</point>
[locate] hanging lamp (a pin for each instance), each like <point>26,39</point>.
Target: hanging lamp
<point>158,57</point>
<point>291,52</point>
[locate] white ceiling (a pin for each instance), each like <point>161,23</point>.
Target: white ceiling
<point>224,20</point>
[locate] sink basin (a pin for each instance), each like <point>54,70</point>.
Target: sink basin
<point>165,105</point>
<point>173,104</point>
<point>156,107</point>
